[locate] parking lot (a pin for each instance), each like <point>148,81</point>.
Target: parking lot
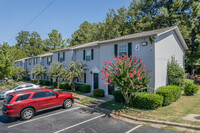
<point>74,120</point>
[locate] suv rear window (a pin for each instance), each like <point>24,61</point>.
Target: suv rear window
<point>8,98</point>
<point>23,97</point>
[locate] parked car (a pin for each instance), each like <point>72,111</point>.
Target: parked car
<point>20,87</point>
<point>27,103</point>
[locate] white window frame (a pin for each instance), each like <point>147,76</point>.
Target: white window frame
<point>123,49</point>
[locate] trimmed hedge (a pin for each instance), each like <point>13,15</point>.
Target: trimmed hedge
<point>34,81</point>
<point>83,88</point>
<point>118,96</point>
<point>147,100</point>
<point>27,79</point>
<point>44,82</point>
<point>65,85</point>
<point>98,93</point>
<point>190,88</point>
<point>170,93</point>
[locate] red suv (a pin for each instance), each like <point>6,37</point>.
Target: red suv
<point>27,103</point>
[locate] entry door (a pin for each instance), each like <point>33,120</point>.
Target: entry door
<point>111,89</point>
<point>96,79</point>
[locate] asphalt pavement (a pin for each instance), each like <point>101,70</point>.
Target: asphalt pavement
<point>73,120</point>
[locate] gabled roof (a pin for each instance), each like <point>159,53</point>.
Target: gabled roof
<point>42,55</point>
<point>156,32</point>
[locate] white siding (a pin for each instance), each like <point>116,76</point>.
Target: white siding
<point>166,46</point>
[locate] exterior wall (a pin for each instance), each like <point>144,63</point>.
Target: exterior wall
<point>166,46</point>
<point>146,53</point>
<point>78,56</point>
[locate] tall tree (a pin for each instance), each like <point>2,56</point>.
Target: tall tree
<point>38,71</point>
<point>74,72</point>
<point>19,71</point>
<point>56,71</point>
<point>55,41</point>
<point>6,61</point>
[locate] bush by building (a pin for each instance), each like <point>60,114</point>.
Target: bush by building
<point>170,93</point>
<point>118,96</point>
<point>190,88</point>
<point>147,100</point>
<point>98,93</point>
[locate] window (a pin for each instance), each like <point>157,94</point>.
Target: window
<point>19,88</point>
<point>23,97</point>
<point>29,61</point>
<point>122,50</point>
<point>44,94</point>
<point>38,95</point>
<point>50,93</point>
<point>35,61</point>
<point>88,55</point>
<point>49,60</point>
<point>8,98</point>
<point>84,77</point>
<point>29,85</point>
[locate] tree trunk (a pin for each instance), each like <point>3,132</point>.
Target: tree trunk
<point>38,80</point>
<point>58,83</point>
<point>192,52</point>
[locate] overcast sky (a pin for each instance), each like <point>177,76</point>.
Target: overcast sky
<point>63,15</point>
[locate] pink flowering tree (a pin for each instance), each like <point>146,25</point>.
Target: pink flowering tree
<point>128,74</point>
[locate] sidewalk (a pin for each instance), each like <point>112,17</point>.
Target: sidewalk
<point>96,102</point>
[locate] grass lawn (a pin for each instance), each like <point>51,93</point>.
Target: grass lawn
<point>175,112</point>
<point>87,100</point>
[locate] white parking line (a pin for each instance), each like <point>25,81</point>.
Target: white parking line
<point>79,124</point>
<point>42,117</point>
<point>133,129</point>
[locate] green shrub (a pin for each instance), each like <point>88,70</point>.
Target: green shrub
<point>98,92</point>
<point>54,84</point>
<point>170,93</point>
<point>34,81</point>
<point>65,85</point>
<point>83,88</point>
<point>190,89</point>
<point>118,96</point>
<point>44,82</point>
<point>27,79</point>
<point>147,100</point>
<point>19,79</point>
<point>175,73</point>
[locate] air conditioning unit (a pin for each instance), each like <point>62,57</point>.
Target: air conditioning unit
<point>61,59</point>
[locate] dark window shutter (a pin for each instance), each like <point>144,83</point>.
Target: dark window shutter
<point>47,60</point>
<point>63,56</point>
<point>129,49</point>
<point>92,54</point>
<point>84,77</point>
<point>116,50</point>
<point>83,54</point>
<point>58,56</point>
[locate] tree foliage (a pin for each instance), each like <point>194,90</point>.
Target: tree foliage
<point>38,71</point>
<point>6,61</point>
<point>54,42</point>
<point>143,15</point>
<point>74,72</point>
<point>128,75</point>
<point>56,70</point>
<point>19,72</point>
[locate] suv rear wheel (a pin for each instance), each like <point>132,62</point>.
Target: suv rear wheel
<point>67,103</point>
<point>27,114</point>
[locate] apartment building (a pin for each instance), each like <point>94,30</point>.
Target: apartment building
<point>167,42</point>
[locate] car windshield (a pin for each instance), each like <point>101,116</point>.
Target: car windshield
<point>14,87</point>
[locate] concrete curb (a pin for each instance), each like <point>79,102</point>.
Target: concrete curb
<point>141,119</point>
